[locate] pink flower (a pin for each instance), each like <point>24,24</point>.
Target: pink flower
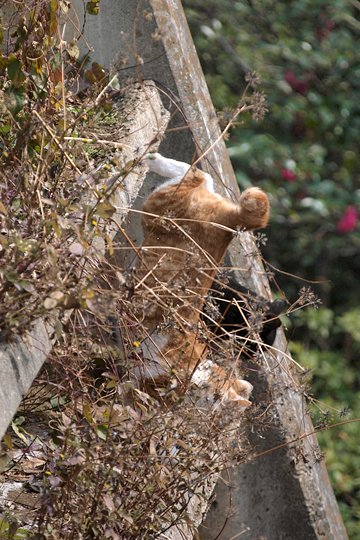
<point>288,175</point>
<point>298,85</point>
<point>348,221</point>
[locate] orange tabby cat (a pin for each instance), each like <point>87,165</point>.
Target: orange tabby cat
<point>187,229</point>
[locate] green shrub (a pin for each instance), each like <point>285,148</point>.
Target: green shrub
<point>305,155</point>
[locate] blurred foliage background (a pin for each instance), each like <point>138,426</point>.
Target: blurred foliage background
<point>305,154</point>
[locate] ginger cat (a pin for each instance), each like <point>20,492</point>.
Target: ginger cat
<point>187,229</point>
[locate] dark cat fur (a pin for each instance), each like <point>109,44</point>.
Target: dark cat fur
<point>237,304</point>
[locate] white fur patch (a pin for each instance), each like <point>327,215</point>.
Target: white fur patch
<point>174,170</point>
<point>209,183</point>
<point>169,168</point>
<point>202,373</point>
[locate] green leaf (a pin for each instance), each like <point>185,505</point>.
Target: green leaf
<point>14,100</point>
<point>101,432</point>
<point>5,129</point>
<point>87,413</point>
<point>57,401</point>
<point>349,322</point>
<point>5,461</point>
<point>15,72</point>
<point>4,525</point>
<point>22,533</point>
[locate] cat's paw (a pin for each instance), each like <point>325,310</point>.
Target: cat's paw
<point>159,164</point>
<point>167,167</point>
<point>255,207</point>
<point>151,158</point>
<point>237,394</point>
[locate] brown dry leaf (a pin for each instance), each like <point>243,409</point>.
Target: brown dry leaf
<point>32,464</point>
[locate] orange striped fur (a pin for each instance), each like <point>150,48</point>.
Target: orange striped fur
<point>187,229</point>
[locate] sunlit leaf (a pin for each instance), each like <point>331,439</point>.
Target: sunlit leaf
<point>50,303</point>
<point>21,433</point>
<point>90,76</point>
<point>105,210</point>
<point>93,7</point>
<point>98,71</point>
<point>109,502</point>
<point>76,249</point>
<point>73,50</point>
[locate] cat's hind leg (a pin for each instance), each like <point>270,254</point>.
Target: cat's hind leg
<point>167,167</point>
<point>173,170</point>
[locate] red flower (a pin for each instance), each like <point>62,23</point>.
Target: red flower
<point>298,85</point>
<point>288,175</point>
<point>348,221</point>
<point>326,26</point>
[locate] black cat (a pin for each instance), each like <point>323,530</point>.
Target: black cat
<point>238,308</point>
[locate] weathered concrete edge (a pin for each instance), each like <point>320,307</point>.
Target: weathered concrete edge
<point>194,95</point>
<point>311,469</point>
<point>21,360</point>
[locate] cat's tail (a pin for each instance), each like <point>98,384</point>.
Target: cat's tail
<point>254,209</point>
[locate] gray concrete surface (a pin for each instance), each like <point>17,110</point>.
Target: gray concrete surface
<point>20,362</point>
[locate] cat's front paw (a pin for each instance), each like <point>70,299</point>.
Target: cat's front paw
<point>255,207</point>
<point>237,394</point>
